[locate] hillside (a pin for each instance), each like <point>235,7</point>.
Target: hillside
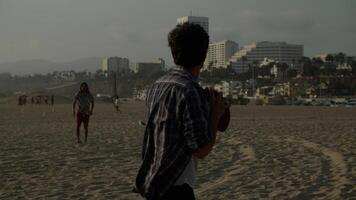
<point>25,67</point>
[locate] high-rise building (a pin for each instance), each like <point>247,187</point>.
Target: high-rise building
<point>150,67</point>
<point>116,64</point>
<point>202,21</point>
<point>281,52</point>
<point>219,53</point>
<point>104,65</point>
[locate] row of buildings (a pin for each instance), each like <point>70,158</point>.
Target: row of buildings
<point>227,53</point>
<point>222,54</point>
<point>122,66</point>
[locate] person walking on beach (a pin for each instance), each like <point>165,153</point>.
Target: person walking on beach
<point>85,101</point>
<point>22,101</point>
<point>19,99</point>
<point>182,124</point>
<point>115,101</point>
<point>46,99</point>
<point>52,102</point>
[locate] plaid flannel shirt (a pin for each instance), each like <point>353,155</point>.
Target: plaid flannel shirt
<point>177,126</point>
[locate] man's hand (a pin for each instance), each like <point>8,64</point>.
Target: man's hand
<point>217,105</point>
<point>73,113</point>
<point>217,108</point>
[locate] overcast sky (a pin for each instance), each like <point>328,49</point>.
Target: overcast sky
<point>64,30</point>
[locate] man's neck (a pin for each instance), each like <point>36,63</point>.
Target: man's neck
<point>195,71</point>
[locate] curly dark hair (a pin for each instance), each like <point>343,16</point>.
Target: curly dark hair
<point>189,44</point>
<point>86,86</point>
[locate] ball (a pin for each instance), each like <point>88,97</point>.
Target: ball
<point>224,120</point>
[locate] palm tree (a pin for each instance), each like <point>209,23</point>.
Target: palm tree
<point>349,60</point>
<point>283,67</point>
<point>329,58</point>
<point>255,62</point>
<point>304,61</point>
<point>243,59</point>
<point>300,65</point>
<point>340,58</point>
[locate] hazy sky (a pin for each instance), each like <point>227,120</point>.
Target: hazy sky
<point>63,30</point>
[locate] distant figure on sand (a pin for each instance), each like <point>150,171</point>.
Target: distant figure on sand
<point>85,102</point>
<point>182,125</point>
<point>115,101</point>
<point>19,99</point>
<point>45,99</point>
<point>52,102</point>
<point>22,100</point>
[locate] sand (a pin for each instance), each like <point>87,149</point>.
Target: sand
<point>267,153</point>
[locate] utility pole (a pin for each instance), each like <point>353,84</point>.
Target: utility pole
<point>253,80</point>
<point>114,88</point>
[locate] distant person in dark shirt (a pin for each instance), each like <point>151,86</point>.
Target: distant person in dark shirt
<point>182,124</point>
<point>115,101</point>
<point>19,100</point>
<point>46,99</point>
<point>52,100</point>
<point>22,102</point>
<point>85,101</point>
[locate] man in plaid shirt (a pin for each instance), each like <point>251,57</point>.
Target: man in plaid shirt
<point>181,124</point>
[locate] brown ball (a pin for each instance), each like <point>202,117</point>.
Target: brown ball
<point>224,120</point>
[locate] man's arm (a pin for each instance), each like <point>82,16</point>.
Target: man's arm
<point>199,128</point>
<point>92,106</point>
<point>216,108</point>
<point>74,104</point>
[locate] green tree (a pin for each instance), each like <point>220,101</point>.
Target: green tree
<point>255,69</point>
<point>340,58</point>
<point>353,87</point>
<point>283,68</point>
<point>349,60</point>
<point>353,66</point>
<point>329,70</point>
<point>329,58</point>
<point>291,73</point>
<point>310,70</point>
<point>317,61</point>
<point>265,70</point>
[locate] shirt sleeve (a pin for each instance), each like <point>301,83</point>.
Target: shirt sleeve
<point>196,128</point>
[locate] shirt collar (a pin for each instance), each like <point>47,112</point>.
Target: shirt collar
<point>182,70</point>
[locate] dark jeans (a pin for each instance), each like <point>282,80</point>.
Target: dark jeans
<point>180,192</point>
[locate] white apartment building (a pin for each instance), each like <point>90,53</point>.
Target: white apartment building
<point>104,65</point>
<point>254,53</point>
<point>116,64</point>
<point>219,53</point>
<point>202,21</point>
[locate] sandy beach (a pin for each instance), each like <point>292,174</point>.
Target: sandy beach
<point>268,152</point>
